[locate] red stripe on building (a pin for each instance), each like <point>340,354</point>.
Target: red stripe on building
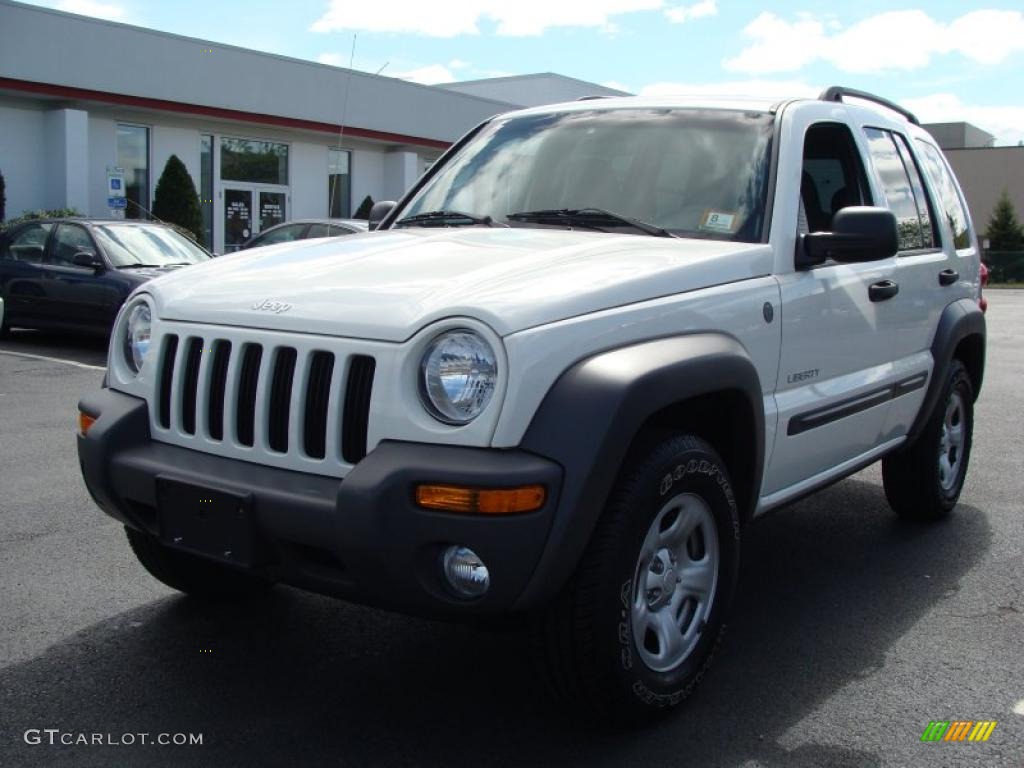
<point>68,92</point>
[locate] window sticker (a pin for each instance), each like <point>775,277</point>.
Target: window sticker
<point>718,221</point>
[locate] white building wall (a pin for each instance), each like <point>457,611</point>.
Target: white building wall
<point>367,175</point>
<point>401,169</point>
<point>102,153</point>
<point>23,158</point>
<point>307,174</point>
<point>67,158</point>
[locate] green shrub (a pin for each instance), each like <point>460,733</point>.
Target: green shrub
<point>176,200</point>
<point>1004,231</point>
<point>363,211</point>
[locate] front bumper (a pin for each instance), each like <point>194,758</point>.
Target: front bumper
<point>362,538</point>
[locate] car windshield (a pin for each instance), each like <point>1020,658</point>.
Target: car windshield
<point>693,172</point>
<point>128,245</point>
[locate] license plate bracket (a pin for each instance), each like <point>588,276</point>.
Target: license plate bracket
<point>206,521</point>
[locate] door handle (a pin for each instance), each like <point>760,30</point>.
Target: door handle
<point>948,276</point>
<point>883,290</point>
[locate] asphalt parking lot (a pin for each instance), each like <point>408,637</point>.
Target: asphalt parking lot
<point>850,633</point>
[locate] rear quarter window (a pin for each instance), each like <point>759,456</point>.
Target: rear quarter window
<point>951,206</point>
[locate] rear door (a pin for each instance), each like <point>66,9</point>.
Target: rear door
<point>925,271</point>
<point>21,273</point>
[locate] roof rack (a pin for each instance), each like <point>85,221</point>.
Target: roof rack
<point>591,98</point>
<point>837,92</point>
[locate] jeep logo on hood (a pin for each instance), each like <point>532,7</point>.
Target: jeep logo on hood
<point>272,305</point>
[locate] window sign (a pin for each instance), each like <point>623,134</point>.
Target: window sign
<point>261,162</point>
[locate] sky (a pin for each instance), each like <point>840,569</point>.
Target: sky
<point>946,60</point>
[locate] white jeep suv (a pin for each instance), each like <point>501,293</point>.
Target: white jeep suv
<point>588,347</point>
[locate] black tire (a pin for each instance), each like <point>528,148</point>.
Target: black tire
<point>585,641</point>
<point>191,574</point>
<point>916,484</point>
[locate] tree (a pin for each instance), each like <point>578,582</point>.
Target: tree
<point>176,200</point>
<point>3,197</point>
<point>363,212</point>
<point>1005,232</point>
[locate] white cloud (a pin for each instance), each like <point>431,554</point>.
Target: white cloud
<point>457,64</point>
<point>894,40</point>
<point>756,88</point>
<point>450,18</point>
<point>429,75</point>
<point>683,13</point>
<point>91,8</point>
<point>1006,122</point>
<point>334,59</point>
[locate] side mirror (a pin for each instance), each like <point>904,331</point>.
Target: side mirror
<point>859,233</point>
<point>380,211</point>
<point>89,260</point>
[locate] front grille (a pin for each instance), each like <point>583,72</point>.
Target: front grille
<point>261,399</point>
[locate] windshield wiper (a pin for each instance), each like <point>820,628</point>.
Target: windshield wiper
<point>588,217</point>
<point>447,218</point>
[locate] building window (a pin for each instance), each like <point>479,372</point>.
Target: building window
<point>339,184</point>
<point>133,157</point>
<point>206,187</point>
<point>261,162</point>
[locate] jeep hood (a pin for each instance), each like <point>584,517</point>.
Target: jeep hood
<point>388,285</point>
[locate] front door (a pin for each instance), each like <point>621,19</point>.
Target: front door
<point>248,210</point>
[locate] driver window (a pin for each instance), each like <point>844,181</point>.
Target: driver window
<point>832,176</point>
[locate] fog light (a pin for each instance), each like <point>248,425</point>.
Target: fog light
<point>465,571</point>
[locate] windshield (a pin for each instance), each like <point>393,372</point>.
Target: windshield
<point>696,173</point>
<point>128,245</point>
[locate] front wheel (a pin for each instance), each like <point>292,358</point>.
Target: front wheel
<point>923,482</point>
<point>637,625</point>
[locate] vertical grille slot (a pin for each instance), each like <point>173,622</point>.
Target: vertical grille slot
<point>280,399</point>
<point>218,385</point>
<point>190,385</point>
<point>167,379</point>
<point>248,378</point>
<point>318,392</point>
<point>356,414</point>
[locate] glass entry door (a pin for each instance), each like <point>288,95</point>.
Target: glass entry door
<point>248,211</point>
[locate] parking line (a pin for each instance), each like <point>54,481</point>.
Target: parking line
<point>54,360</point>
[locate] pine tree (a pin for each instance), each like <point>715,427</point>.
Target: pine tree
<point>3,197</point>
<point>176,200</point>
<point>363,212</point>
<point>1004,231</point>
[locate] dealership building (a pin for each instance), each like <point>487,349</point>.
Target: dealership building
<point>93,109</point>
<point>265,138</point>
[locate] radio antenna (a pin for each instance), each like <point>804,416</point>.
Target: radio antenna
<point>341,128</point>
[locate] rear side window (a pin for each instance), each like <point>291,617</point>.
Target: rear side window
<point>950,205</point>
<point>29,243</point>
<point>904,192</point>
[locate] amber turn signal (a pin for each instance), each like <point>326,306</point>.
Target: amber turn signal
<point>85,422</point>
<point>484,501</point>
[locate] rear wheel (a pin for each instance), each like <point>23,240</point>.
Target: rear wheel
<point>923,482</point>
<point>193,575</point>
<point>636,627</point>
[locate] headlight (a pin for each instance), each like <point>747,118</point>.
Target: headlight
<point>458,375</point>
<point>137,333</point>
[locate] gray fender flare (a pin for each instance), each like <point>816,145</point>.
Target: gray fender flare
<point>589,417</point>
<point>958,321</point>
